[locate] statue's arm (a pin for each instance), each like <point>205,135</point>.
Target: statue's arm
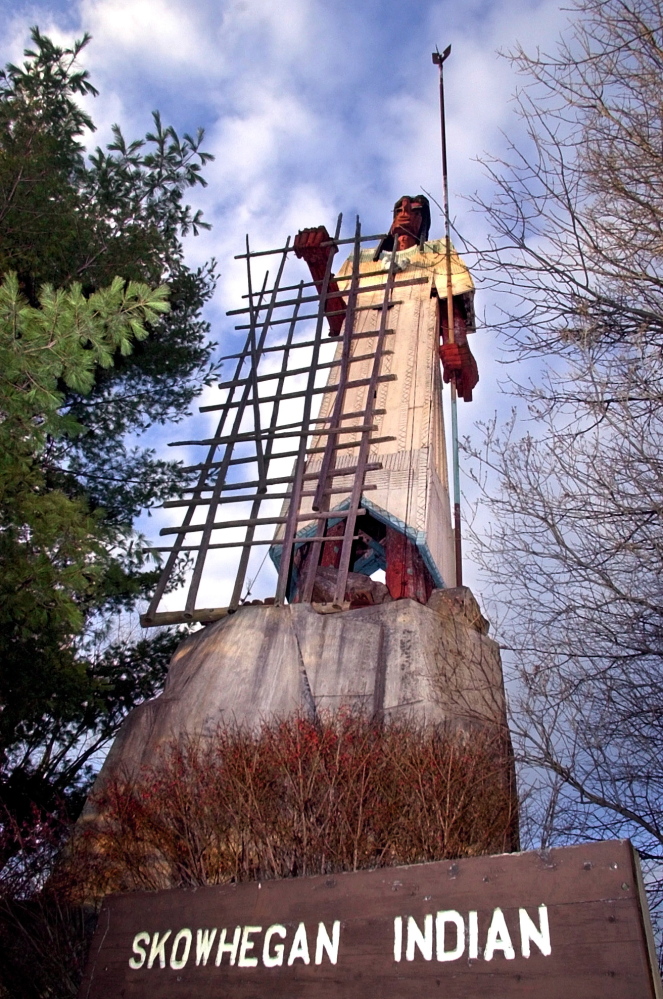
<point>458,362</point>
<point>308,247</point>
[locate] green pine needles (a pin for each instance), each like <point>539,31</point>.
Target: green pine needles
<point>61,342</point>
<point>53,548</point>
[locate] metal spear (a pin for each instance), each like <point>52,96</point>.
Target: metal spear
<point>439,60</point>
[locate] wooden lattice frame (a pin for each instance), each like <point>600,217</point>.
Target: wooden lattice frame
<point>267,308</point>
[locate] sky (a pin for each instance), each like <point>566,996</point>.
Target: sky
<point>310,108</point>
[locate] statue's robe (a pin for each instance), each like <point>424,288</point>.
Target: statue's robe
<point>412,494</point>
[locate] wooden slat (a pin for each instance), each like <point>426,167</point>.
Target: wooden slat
<point>262,486</point>
<point>295,346</point>
<point>297,424</point>
<point>273,436</point>
<point>331,242</point>
<point>362,290</point>
<point>202,501</point>
<point>167,570</point>
<point>300,539</point>
<point>200,561</point>
<point>321,499</point>
<point>334,312</point>
<point>380,272</point>
<point>362,459</point>
<point>227,525</point>
<point>205,615</point>
<point>320,390</point>
<point>346,416</point>
<point>285,567</point>
<point>351,469</point>
<point>293,454</point>
<point>345,362</point>
<point>279,480</point>
<point>273,375</point>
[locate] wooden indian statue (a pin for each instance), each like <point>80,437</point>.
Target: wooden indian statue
<point>407,530</point>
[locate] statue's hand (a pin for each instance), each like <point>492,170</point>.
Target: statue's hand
<point>458,363</point>
<point>451,360</point>
<point>308,247</point>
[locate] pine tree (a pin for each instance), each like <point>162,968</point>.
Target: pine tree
<point>90,358</point>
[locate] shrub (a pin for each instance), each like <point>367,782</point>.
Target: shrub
<point>299,798</point>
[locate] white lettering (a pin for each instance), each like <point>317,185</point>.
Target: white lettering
<point>204,943</point>
<point>441,920</point>
<point>179,962</point>
<point>247,945</point>
<point>231,948</point>
<point>473,925</point>
<point>530,932</point>
<point>324,943</point>
<point>415,938</point>
<point>158,949</point>
<point>398,938</point>
<point>274,960</point>
<point>498,938</point>
<point>138,962</point>
<point>299,947</point>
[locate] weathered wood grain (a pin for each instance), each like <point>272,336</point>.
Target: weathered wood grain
<point>597,933</point>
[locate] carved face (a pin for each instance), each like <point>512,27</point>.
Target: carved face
<point>408,218</point>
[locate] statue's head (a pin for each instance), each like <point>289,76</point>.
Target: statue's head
<point>410,225</point>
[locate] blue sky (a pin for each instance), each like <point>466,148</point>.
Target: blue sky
<point>310,108</point>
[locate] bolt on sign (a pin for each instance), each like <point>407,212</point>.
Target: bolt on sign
<point>555,925</point>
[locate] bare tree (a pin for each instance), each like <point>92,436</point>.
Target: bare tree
<point>576,539</point>
<point>575,553</point>
<point>577,205</point>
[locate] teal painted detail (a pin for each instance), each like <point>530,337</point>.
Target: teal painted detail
<point>418,537</point>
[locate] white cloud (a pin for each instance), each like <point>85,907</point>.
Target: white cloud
<point>162,32</point>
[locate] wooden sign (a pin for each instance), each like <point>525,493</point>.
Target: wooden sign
<point>561,924</point>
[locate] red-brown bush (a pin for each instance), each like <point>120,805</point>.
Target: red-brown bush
<point>298,798</point>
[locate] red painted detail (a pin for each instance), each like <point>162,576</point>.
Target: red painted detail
<point>406,574</point>
<point>457,358</point>
<point>308,248</point>
<point>331,554</point>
